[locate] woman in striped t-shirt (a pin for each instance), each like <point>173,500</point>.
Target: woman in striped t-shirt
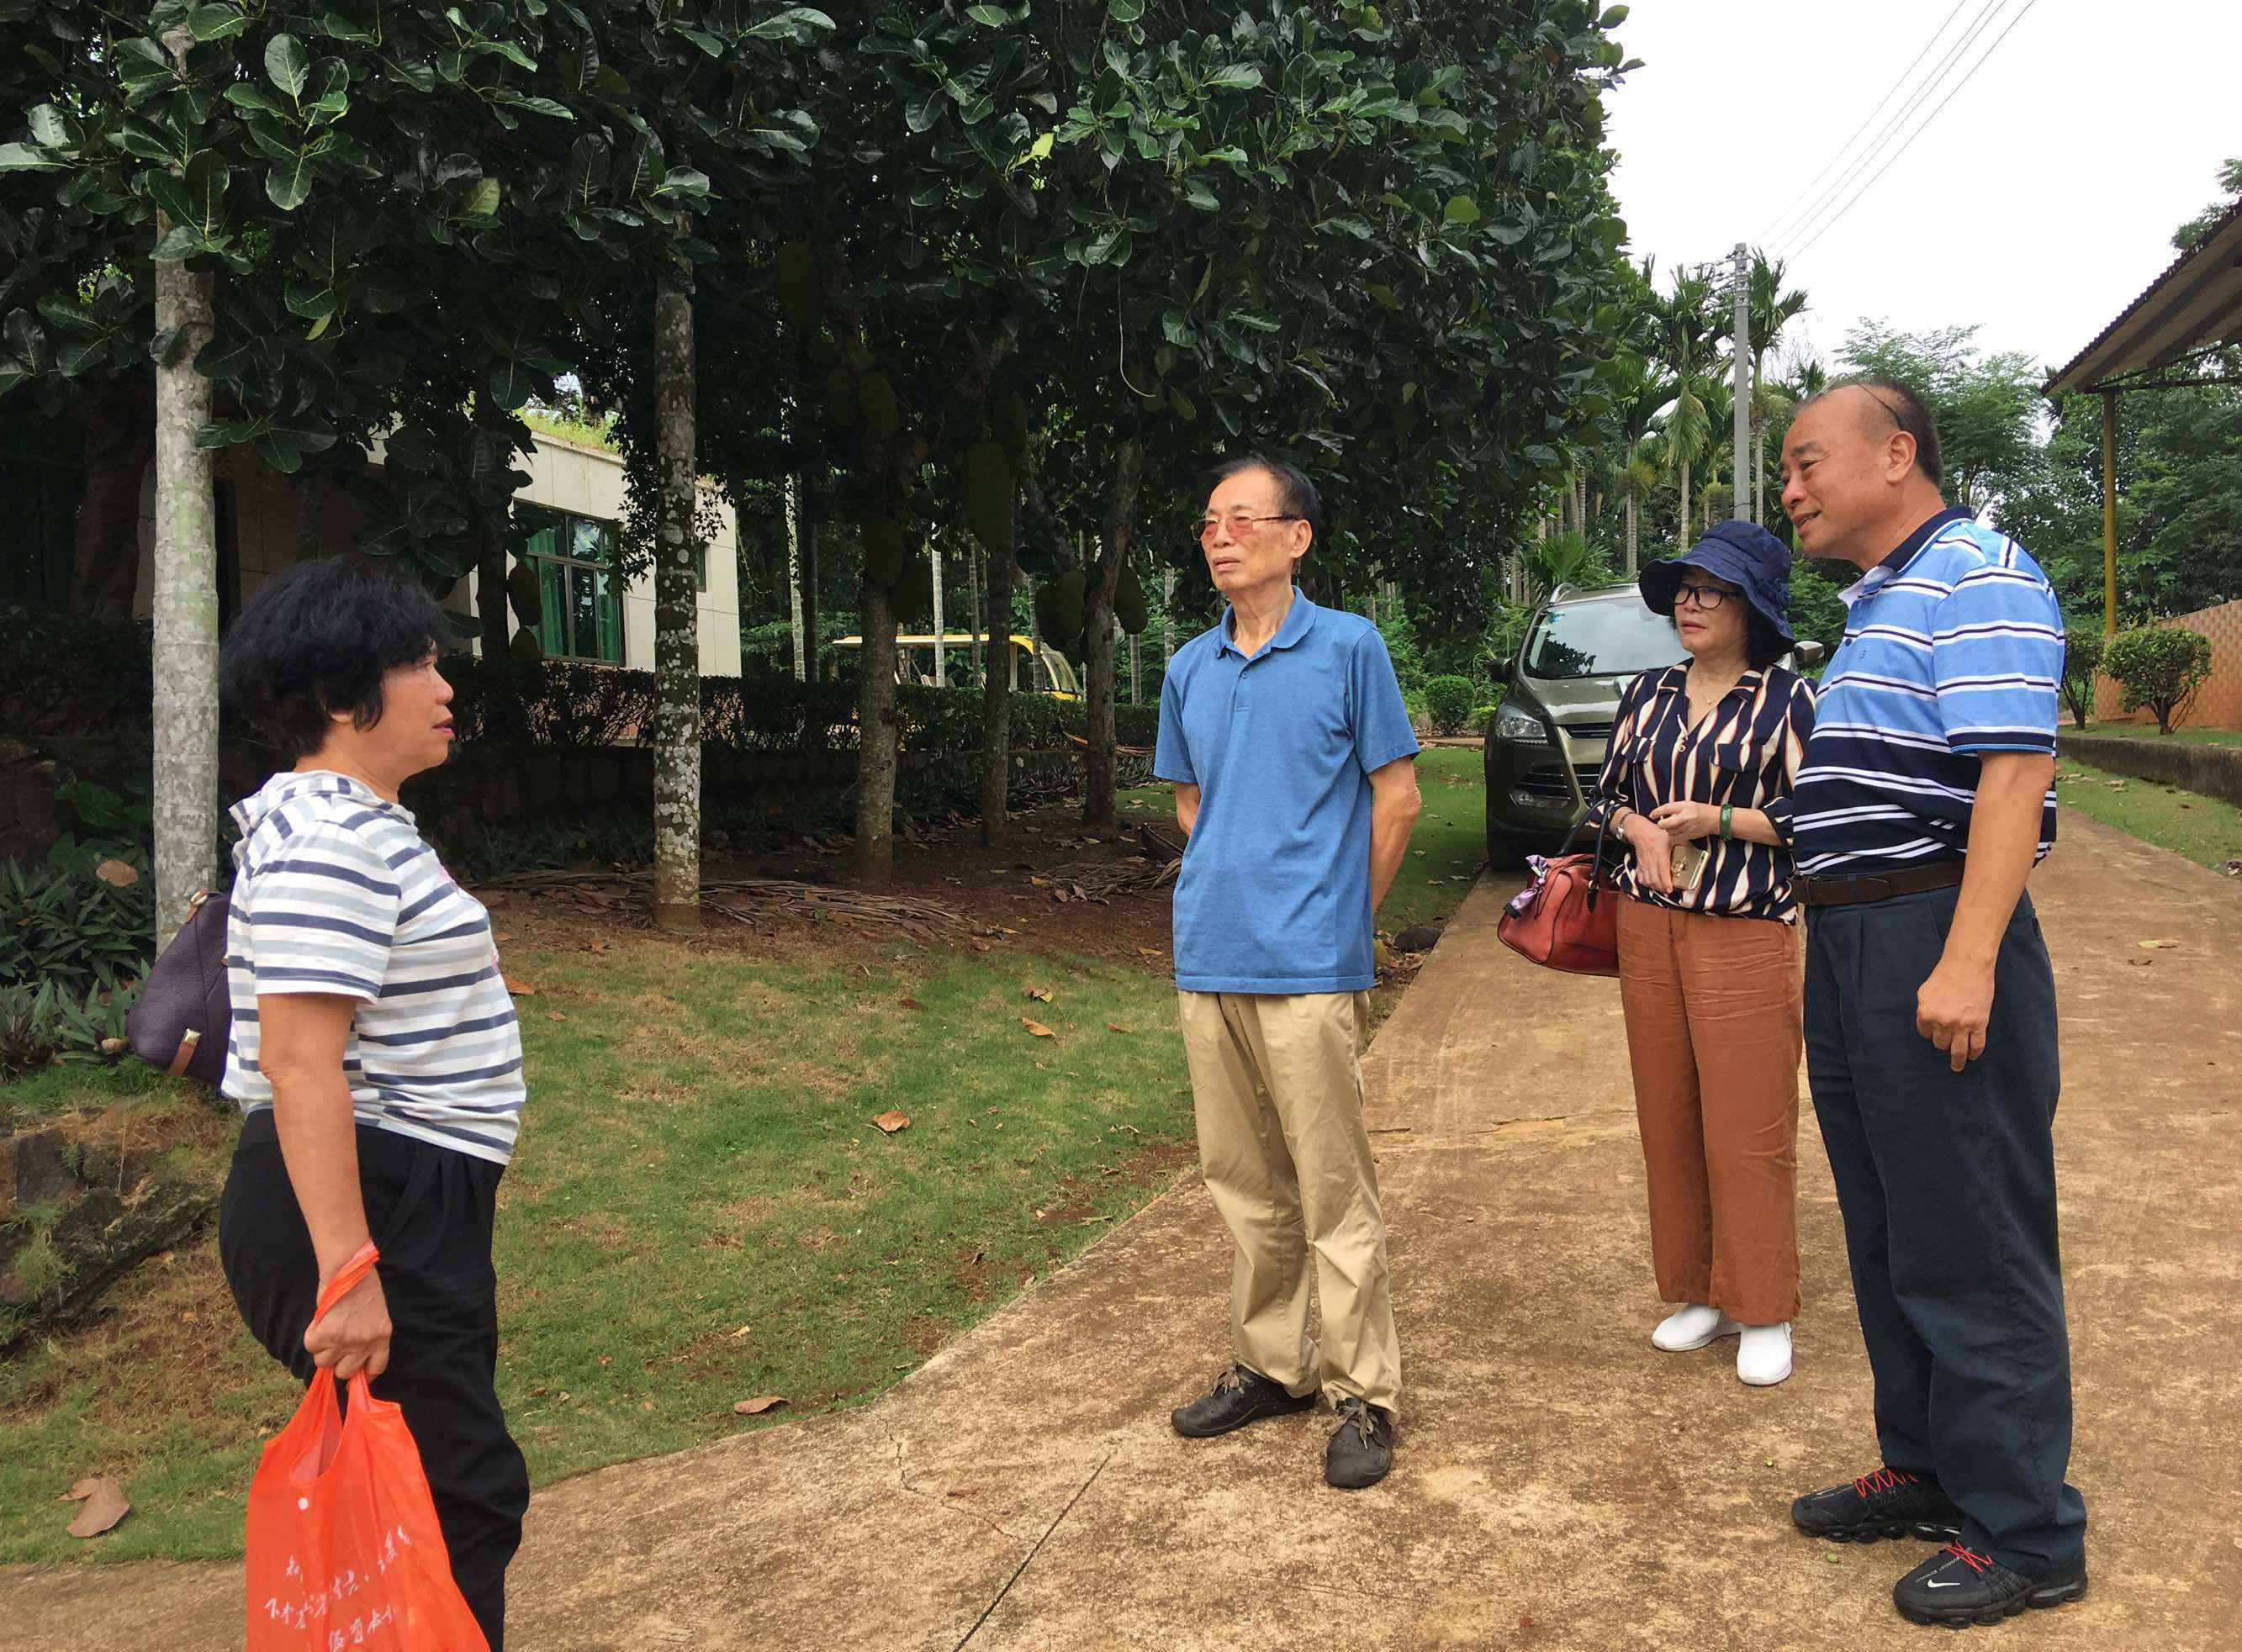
<point>1697,783</point>
<point>374,1051</point>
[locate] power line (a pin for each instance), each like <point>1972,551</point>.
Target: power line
<point>1768,234</point>
<point>1916,133</point>
<point>1932,86</point>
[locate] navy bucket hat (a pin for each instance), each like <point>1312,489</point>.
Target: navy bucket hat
<point>1743,553</point>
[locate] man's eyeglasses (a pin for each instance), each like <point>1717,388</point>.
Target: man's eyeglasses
<point>1241,526</point>
<point>1705,597</point>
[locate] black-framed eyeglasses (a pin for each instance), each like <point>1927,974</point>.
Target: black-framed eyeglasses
<point>1241,526</point>
<point>1705,597</point>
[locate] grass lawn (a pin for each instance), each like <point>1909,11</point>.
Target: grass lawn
<point>2185,733</point>
<point>2203,829</point>
<point>703,1210</point>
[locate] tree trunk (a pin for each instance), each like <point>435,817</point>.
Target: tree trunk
<point>185,597</point>
<point>117,418</point>
<point>1097,638</point>
<point>490,546</point>
<point>1167,619</point>
<point>876,754</point>
<point>794,574</point>
<point>1035,638</point>
<point>940,649</point>
<point>973,601</point>
<point>996,702</point>
<point>676,628</point>
<point>1633,532</point>
<point>1759,471</point>
<point>1685,503</point>
<point>810,527</point>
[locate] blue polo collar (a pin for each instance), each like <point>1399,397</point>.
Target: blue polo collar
<point>1909,548</point>
<point>1923,535</point>
<point>1298,618</point>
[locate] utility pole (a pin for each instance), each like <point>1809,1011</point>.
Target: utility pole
<point>1741,469</point>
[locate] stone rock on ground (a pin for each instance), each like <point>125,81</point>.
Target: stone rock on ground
<point>1560,1485</point>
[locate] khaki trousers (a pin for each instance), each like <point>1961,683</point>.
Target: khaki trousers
<point>1278,1090</point>
<point>1714,1032</point>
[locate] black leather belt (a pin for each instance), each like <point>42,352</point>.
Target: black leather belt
<point>1878,885</point>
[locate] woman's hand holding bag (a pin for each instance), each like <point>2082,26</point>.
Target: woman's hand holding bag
<point>1567,918</point>
<point>345,1550</point>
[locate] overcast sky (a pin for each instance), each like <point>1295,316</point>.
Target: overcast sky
<point>2039,201</point>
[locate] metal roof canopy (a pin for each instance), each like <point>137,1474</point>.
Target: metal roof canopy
<point>2195,305</point>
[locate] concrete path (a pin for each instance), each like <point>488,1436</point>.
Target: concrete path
<point>1560,1485</point>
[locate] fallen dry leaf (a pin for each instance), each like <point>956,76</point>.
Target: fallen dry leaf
<point>913,1004</point>
<point>595,945</point>
<point>520,989</point>
<point>2140,960</point>
<point>760,1404</point>
<point>891,1121</point>
<point>980,947</point>
<point>1036,1028</point>
<point>102,1505</point>
<point>741,1332</point>
<point>1152,952</point>
<point>1041,995</point>
<point>123,876</point>
<point>1115,1026</point>
<point>2157,945</point>
<point>555,1016</point>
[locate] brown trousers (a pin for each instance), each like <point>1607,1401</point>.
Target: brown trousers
<point>1714,1032</point>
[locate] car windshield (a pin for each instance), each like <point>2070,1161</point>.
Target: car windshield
<point>1606,636</point>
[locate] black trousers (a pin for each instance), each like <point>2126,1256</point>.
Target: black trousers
<point>1946,1181</point>
<point>430,1210</point>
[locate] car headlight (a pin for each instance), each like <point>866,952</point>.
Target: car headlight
<point>1516,723</point>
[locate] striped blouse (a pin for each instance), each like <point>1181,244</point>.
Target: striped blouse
<point>335,892</point>
<point>1745,753</point>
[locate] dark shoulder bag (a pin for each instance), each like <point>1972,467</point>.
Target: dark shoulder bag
<point>185,1015</point>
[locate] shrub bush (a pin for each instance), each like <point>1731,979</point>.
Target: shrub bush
<point>1448,702</point>
<point>44,1023</point>
<point>2160,667</point>
<point>63,673</point>
<point>60,926</point>
<point>2082,666</point>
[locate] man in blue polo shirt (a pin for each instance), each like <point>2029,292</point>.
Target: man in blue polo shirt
<point>1924,802</point>
<point>1283,732</point>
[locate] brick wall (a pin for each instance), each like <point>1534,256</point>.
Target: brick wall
<point>2219,703</point>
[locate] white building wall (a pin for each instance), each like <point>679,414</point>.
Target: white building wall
<point>563,475</point>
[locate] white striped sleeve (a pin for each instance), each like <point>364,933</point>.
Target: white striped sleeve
<point>322,914</point>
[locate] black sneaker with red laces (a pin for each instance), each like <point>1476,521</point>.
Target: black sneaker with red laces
<point>1891,1502</point>
<point>1958,1587</point>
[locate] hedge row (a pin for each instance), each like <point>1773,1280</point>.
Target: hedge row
<point>60,672</point>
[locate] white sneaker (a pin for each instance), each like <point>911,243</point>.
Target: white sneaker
<point>1692,1327</point>
<point>1763,1355</point>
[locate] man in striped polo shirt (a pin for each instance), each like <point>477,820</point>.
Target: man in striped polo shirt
<point>1924,802</point>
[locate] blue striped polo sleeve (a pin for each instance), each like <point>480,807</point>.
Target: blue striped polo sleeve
<point>324,914</point>
<point>1996,661</point>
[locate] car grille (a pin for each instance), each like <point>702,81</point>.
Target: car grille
<point>1546,783</point>
<point>1589,731</point>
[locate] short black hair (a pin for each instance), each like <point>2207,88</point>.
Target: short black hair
<point>315,639</point>
<point>1763,644</point>
<point>1295,492</point>
<point>1908,412</point>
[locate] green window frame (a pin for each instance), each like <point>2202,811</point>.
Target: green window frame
<point>579,590</point>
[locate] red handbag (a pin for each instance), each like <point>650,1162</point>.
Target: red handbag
<point>1567,918</point>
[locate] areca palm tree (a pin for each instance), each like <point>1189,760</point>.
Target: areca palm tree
<point>1687,327</point>
<point>1772,309</point>
<point>1642,390</point>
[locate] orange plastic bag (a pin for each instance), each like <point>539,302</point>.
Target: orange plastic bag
<point>344,1552</point>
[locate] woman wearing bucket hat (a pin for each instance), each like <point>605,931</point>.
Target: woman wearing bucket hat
<point>1697,782</point>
